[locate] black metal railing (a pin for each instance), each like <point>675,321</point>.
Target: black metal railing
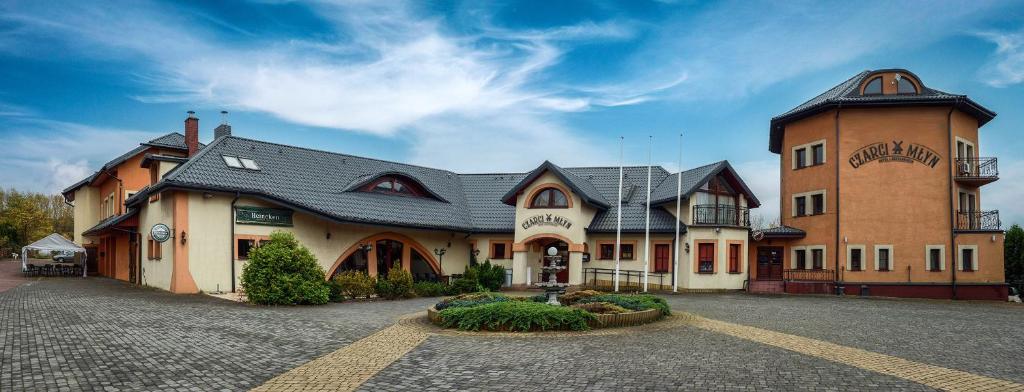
<point>977,168</point>
<point>809,275</point>
<point>978,220</point>
<point>719,214</point>
<point>629,280</point>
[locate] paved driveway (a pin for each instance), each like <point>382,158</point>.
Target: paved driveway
<point>99,334</point>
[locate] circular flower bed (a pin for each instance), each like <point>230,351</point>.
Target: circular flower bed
<point>581,310</point>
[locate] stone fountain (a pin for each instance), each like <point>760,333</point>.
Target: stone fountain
<point>552,288</point>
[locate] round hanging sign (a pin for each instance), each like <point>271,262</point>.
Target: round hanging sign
<point>160,232</point>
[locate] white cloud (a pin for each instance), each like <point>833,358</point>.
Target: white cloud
<point>1007,65</point>
<point>68,153</point>
<point>763,179</point>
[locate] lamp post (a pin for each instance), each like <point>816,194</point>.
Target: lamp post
<point>439,252</point>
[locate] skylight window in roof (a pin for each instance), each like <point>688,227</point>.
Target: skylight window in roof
<point>232,161</point>
<point>249,164</point>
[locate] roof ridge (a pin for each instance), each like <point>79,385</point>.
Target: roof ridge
<point>338,153</point>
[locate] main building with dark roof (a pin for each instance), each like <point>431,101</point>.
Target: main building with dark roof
<point>354,213</point>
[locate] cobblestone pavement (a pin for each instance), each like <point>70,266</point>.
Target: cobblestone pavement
<point>101,335</point>
<point>985,338</point>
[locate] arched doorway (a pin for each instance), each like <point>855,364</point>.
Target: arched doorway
<point>376,254</point>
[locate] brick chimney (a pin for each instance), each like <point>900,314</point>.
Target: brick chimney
<point>192,133</point>
<point>224,129</point>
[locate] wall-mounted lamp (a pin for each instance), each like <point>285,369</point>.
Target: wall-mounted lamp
<point>476,252</point>
<point>846,240</point>
<point>687,247</point>
<point>328,235</point>
<point>184,238</point>
<point>207,195</point>
<point>365,247</point>
<point>718,230</point>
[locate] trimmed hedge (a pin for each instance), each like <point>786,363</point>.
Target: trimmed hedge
<point>631,301</point>
<point>518,316</point>
<point>398,284</point>
<point>283,272</point>
<point>429,289</point>
<point>352,284</point>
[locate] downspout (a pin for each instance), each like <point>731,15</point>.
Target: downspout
<point>231,256</point>
<point>949,176</point>
<point>838,278</point>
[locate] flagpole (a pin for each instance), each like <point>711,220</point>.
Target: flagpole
<point>679,215</point>
<point>647,219</point>
<point>618,218</point>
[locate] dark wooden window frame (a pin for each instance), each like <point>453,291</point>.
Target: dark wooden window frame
<point>735,252</point>
<point>801,206</point>
<point>817,259</point>
<point>935,259</point>
<point>856,263</point>
<point>887,259</point>
<point>550,192</point>
<point>409,187</point>
<point>967,263</point>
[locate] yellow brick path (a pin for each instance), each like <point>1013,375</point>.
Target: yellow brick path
<point>349,367</point>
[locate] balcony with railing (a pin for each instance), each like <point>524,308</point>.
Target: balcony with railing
<point>978,221</point>
<point>721,215</point>
<point>977,171</point>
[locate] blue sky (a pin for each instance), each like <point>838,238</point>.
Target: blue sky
<point>483,86</point>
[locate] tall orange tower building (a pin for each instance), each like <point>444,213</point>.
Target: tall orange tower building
<point>881,180</point>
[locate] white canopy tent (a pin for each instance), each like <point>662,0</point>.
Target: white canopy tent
<point>53,243</point>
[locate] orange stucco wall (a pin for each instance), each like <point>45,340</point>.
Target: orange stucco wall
<point>903,204</point>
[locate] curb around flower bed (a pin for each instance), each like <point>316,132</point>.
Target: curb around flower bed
<point>602,321</point>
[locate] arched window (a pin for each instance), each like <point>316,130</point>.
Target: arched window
<point>395,185</point>
<point>905,86</point>
<point>874,87</point>
<point>550,198</point>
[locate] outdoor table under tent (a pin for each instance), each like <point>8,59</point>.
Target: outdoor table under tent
<point>63,257</point>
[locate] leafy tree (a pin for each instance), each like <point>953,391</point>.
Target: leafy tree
<point>26,217</point>
<point>283,272</point>
<point>1013,254</point>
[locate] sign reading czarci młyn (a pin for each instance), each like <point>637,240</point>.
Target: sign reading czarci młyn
<point>895,152</point>
<point>546,220</point>
<point>263,216</point>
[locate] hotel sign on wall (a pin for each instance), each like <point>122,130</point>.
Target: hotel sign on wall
<point>263,216</point>
<point>546,220</point>
<point>897,151</point>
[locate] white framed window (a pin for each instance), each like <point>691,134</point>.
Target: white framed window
<point>809,154</point>
<point>798,257</point>
<point>964,148</point>
<point>808,257</point>
<point>967,257</point>
<point>884,258</point>
<point>809,203</point>
<point>935,257</point>
<point>856,257</point>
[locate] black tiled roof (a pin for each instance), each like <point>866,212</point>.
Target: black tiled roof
<point>109,222</point>
<point>327,184</point>
<point>847,94</point>
<point>171,140</point>
<point>585,189</point>
<point>779,232</point>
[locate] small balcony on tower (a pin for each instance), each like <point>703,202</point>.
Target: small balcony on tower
<point>967,221</point>
<point>976,171</point>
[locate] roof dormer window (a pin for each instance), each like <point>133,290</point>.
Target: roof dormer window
<point>395,185</point>
<point>904,85</point>
<point>874,86</point>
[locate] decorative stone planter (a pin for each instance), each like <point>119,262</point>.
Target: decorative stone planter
<point>603,320</point>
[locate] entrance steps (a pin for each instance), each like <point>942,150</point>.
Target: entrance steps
<point>766,287</point>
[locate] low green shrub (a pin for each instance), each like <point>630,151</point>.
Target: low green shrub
<point>516,316</point>
<point>468,283</point>
<point>471,299</point>
<point>490,276</point>
<point>283,272</point>
<point>352,284</point>
<point>542,298</point>
<point>631,301</point>
<point>601,308</point>
<point>398,284</point>
<point>573,297</point>
<point>429,289</point>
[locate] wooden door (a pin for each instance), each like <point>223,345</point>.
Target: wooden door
<point>662,257</point>
<point>769,263</point>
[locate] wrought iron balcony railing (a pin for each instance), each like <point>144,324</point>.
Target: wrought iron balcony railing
<point>978,221</point>
<point>978,170</point>
<point>809,275</point>
<point>720,214</point>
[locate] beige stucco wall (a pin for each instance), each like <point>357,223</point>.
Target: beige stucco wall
<point>86,211</point>
<point>579,214</point>
<point>721,279</point>
<point>157,273</point>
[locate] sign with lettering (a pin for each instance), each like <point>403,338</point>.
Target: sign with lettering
<point>160,232</point>
<point>894,152</point>
<point>546,220</point>
<point>263,216</point>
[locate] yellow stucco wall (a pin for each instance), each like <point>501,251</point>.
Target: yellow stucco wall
<point>157,273</point>
<point>86,211</point>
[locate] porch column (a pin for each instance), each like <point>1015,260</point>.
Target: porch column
<point>575,268</point>
<point>519,267</point>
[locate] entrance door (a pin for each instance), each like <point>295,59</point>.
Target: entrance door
<point>662,257</point>
<point>133,259</point>
<point>91,260</point>
<point>769,263</point>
